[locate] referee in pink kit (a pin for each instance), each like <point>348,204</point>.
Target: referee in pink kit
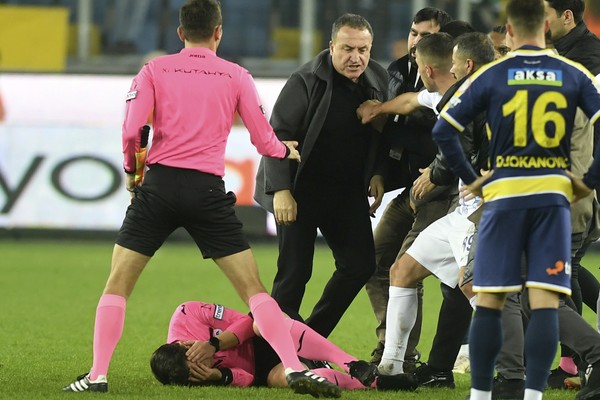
<point>194,96</point>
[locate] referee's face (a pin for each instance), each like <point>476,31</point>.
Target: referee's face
<point>350,52</point>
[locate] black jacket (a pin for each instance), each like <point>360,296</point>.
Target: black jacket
<point>299,114</point>
<point>473,139</point>
<point>582,46</point>
<point>408,135</point>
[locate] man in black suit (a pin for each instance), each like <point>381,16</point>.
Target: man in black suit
<point>328,190</point>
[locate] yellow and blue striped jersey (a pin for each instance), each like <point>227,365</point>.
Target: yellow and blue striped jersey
<point>531,97</point>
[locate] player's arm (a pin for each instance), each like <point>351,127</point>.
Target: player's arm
<point>403,104</point>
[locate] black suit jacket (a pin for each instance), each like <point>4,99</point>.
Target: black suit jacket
<point>299,114</point>
<point>408,135</point>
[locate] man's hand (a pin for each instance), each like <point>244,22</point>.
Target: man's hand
<point>368,111</point>
<point>201,373</point>
<point>376,190</point>
<point>294,154</point>
<point>198,350</point>
<point>422,185</point>
<point>580,189</point>
<point>285,207</point>
<point>469,192</point>
<point>130,184</point>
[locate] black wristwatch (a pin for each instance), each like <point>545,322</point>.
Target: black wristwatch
<point>216,343</point>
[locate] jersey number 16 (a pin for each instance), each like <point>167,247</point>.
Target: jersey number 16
<point>540,116</point>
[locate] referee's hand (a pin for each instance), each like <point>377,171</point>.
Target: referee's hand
<point>294,154</point>
<point>130,184</point>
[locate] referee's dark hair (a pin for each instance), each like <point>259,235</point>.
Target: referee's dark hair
<point>169,365</point>
<point>577,7</point>
<point>199,18</point>
<point>526,16</point>
<point>476,46</point>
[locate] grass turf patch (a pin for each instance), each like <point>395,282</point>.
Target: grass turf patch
<point>50,289</point>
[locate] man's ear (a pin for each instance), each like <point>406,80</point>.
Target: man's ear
<point>180,33</point>
<point>218,33</point>
<point>569,18</point>
<point>470,65</point>
<point>429,71</point>
<point>511,32</point>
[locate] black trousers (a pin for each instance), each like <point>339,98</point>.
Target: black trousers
<point>453,324</point>
<point>343,219</point>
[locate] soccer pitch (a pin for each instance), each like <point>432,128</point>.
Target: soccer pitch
<point>49,291</point>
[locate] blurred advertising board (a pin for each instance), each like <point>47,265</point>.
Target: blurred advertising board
<point>60,152</point>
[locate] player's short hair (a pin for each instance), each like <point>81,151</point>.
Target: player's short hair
<point>527,16</point>
<point>457,27</point>
<point>476,46</point>
<point>577,7</point>
<point>169,365</point>
<point>436,49</point>
<point>501,29</point>
<point>432,13</point>
<point>353,21</point>
<point>199,18</point>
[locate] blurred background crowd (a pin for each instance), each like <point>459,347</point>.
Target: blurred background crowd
<point>269,37</point>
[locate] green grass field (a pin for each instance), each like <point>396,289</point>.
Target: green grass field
<point>49,291</point>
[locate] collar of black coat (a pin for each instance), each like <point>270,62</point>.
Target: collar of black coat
<point>567,42</point>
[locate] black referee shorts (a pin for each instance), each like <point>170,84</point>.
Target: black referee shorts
<point>265,359</point>
<point>174,197</point>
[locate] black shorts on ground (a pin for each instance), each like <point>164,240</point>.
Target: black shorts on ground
<point>174,197</point>
<point>265,359</point>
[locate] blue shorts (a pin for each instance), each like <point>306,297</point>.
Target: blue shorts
<point>542,234</point>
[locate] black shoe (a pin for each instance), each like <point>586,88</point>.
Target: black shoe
<point>508,389</point>
<point>406,382</point>
<point>429,377</point>
<point>363,371</point>
<point>83,384</point>
<point>315,364</point>
<point>591,390</point>
<point>305,382</point>
<point>410,362</point>
<point>557,377</point>
<point>377,353</point>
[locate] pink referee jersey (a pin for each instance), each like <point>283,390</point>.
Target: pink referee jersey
<point>195,320</point>
<point>194,95</point>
